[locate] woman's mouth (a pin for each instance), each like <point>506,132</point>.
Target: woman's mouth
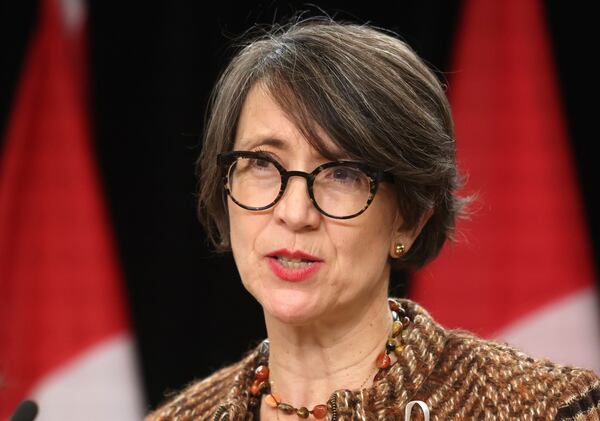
<point>292,266</point>
<point>293,263</point>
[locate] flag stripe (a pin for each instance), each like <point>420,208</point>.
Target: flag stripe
<point>526,245</point>
<point>60,284</point>
<point>566,331</point>
<point>100,384</point>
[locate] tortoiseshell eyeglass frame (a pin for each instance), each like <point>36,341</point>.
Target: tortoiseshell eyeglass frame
<point>375,176</point>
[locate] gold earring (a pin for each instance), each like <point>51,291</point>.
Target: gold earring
<point>399,249</point>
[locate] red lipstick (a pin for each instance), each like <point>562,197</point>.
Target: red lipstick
<point>284,264</point>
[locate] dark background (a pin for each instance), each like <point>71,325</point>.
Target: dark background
<point>152,67</point>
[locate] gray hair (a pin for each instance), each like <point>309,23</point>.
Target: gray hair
<point>370,93</point>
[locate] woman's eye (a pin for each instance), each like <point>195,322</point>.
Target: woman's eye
<point>345,175</point>
<point>260,163</point>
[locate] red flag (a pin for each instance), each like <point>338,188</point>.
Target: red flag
<point>64,335</point>
<point>523,270</point>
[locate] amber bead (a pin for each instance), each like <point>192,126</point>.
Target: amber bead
<point>319,411</point>
<point>287,408</point>
<point>255,388</point>
<point>396,328</point>
<point>261,373</point>
<point>391,344</point>
<point>273,400</point>
<point>394,306</point>
<point>398,350</point>
<point>259,387</point>
<point>383,360</point>
<point>303,412</point>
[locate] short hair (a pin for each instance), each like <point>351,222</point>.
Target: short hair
<point>370,93</point>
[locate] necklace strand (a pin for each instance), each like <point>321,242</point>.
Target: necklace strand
<point>262,386</point>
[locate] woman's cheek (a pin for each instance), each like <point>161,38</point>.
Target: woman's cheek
<point>247,235</point>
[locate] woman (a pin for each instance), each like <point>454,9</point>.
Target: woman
<point>328,159</point>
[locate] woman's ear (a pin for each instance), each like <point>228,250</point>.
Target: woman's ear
<point>424,218</point>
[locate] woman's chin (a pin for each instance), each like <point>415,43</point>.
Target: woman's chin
<point>293,308</point>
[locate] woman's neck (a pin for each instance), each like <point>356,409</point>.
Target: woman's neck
<point>307,363</point>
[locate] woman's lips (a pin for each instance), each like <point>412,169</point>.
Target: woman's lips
<point>292,272</point>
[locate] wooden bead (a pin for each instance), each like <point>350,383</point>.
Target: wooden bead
<point>264,387</point>
<point>396,328</point>
<point>273,400</point>
<point>261,373</point>
<point>302,412</point>
<point>319,411</point>
<point>383,360</point>
<point>286,408</point>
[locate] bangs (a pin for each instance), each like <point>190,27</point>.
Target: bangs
<point>303,110</point>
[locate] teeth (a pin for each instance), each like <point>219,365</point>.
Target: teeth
<point>293,263</point>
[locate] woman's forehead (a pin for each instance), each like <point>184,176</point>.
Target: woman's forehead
<point>261,117</point>
<point>263,123</point>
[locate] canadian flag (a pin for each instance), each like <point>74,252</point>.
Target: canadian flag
<point>522,271</point>
<point>64,334</point>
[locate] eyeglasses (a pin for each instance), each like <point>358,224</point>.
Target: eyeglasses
<point>339,189</point>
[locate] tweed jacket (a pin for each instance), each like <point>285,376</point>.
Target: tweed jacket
<point>458,375</point>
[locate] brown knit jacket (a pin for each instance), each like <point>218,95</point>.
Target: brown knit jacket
<point>458,375</point>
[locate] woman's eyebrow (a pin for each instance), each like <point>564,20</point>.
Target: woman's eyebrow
<point>249,144</point>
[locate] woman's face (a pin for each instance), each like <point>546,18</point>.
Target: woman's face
<point>351,266</point>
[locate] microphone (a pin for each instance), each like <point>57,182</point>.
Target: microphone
<point>26,411</point>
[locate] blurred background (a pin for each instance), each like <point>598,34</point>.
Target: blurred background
<point>150,67</point>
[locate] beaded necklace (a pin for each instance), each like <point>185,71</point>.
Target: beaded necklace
<point>262,386</point>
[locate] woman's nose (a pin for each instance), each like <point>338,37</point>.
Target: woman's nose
<point>295,209</point>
